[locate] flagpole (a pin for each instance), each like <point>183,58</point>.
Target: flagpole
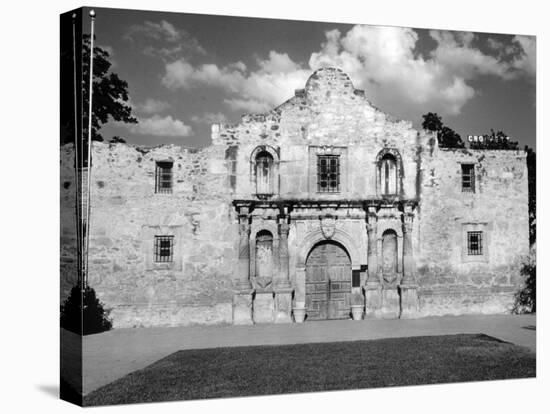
<point>89,164</point>
<point>77,164</point>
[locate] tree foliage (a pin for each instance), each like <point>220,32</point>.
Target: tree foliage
<point>83,313</point>
<point>446,137</point>
<point>532,188</point>
<point>493,141</point>
<point>110,93</point>
<point>117,140</point>
<point>525,301</point>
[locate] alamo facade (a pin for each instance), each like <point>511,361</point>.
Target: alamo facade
<point>322,208</point>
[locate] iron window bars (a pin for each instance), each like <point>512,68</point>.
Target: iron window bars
<point>164,249</point>
<point>328,173</point>
<point>475,243</point>
<point>163,177</point>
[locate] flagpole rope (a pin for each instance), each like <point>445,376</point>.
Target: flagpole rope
<point>89,164</point>
<point>77,164</point>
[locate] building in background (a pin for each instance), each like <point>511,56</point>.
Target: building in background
<point>322,208</point>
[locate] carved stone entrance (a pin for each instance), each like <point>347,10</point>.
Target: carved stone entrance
<point>328,282</point>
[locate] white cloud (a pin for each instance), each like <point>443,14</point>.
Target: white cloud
<point>160,126</point>
<point>180,42</point>
<point>255,91</point>
<point>151,106</point>
<point>209,118</point>
<point>382,60</point>
<point>526,60</point>
<point>160,31</point>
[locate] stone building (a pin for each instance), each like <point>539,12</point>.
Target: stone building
<point>322,208</point>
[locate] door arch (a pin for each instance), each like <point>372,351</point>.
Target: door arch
<point>328,281</point>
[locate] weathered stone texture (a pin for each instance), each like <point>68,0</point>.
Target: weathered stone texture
<point>68,241</point>
<point>126,214</point>
<point>449,282</point>
<point>216,215</point>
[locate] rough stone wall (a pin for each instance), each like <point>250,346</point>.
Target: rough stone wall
<point>127,214</point>
<point>328,112</point>
<point>68,240</point>
<point>450,282</point>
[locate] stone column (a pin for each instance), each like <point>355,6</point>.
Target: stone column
<point>281,286</point>
<point>408,261</point>
<point>409,295</point>
<point>242,298</point>
<point>373,288</point>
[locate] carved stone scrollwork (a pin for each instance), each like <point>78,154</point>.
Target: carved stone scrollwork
<point>328,226</point>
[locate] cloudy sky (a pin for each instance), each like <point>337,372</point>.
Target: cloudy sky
<point>186,71</point>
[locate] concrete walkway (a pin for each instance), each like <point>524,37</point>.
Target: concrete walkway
<point>111,355</point>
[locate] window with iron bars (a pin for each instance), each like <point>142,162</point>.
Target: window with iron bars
<point>468,178</point>
<point>164,249</point>
<point>328,173</point>
<point>163,177</point>
<point>475,243</point>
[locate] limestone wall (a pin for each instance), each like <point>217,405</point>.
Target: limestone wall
<point>450,280</point>
<point>328,115</point>
<point>329,112</point>
<point>67,231</point>
<point>127,214</point>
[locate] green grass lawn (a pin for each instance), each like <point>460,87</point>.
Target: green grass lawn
<point>260,370</point>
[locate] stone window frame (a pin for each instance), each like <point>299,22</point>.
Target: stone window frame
<point>382,154</point>
<point>163,253</point>
<point>317,150</point>
<point>471,175</point>
<point>159,189</point>
<point>258,225</point>
<point>148,234</point>
<point>324,172</point>
<point>485,229</point>
<point>274,173</point>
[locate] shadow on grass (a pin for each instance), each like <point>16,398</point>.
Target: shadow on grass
<point>264,370</point>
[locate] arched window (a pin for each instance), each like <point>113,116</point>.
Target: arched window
<point>389,172</point>
<point>264,174</point>
<point>264,254</point>
<point>388,175</point>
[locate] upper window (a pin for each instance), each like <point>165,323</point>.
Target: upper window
<point>388,175</point>
<point>328,173</point>
<point>164,249</point>
<point>264,174</point>
<point>475,243</point>
<point>468,178</point>
<point>163,177</point>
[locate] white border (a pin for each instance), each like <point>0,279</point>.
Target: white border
<point>30,202</point>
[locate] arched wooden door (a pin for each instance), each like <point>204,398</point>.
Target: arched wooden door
<point>328,282</point>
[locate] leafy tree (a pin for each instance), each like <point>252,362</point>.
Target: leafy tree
<point>117,140</point>
<point>525,301</point>
<point>110,93</point>
<point>83,313</point>
<point>495,140</point>
<point>432,122</point>
<point>446,137</point>
<point>532,185</point>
